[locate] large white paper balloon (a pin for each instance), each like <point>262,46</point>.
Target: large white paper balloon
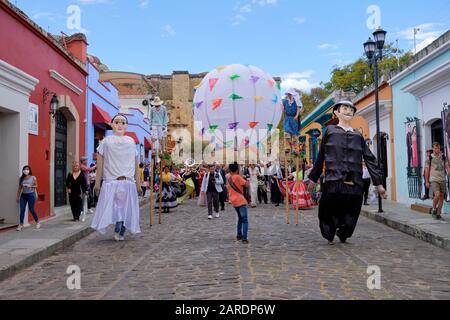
<point>237,97</point>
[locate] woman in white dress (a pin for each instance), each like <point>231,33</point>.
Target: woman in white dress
<point>254,174</point>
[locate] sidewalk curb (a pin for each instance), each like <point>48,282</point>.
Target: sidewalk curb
<point>40,254</point>
<point>411,230</point>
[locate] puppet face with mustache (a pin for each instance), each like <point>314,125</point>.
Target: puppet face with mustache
<point>345,113</point>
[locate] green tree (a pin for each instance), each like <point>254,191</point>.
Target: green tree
<point>356,76</point>
<point>312,99</point>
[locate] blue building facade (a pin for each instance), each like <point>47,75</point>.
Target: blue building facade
<point>102,105</point>
<point>421,92</point>
<point>139,129</point>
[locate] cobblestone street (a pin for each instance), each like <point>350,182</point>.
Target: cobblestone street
<point>190,257</point>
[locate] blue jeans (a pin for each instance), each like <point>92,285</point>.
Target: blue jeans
<point>242,226</point>
<point>120,228</point>
<point>29,198</point>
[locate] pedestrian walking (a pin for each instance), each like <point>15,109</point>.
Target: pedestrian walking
<point>223,196</point>
<point>76,187</point>
<point>169,197</point>
<point>202,195</point>
<point>143,181</point>
<point>146,179</point>
<point>236,184</point>
<point>26,195</point>
<point>253,174</point>
<point>301,198</point>
<point>275,193</point>
<point>93,197</point>
<point>86,170</point>
<point>426,194</point>
<point>117,164</point>
<point>436,167</point>
<point>342,194</point>
<point>212,186</point>
<point>366,183</point>
<point>262,189</point>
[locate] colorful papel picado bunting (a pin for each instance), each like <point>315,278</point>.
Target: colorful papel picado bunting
<point>259,98</point>
<point>235,97</point>
<point>233,125</point>
<point>254,79</point>
<point>198,104</point>
<point>212,83</point>
<point>269,126</point>
<point>253,124</point>
<point>216,103</point>
<point>213,128</point>
<point>275,99</point>
<point>235,76</point>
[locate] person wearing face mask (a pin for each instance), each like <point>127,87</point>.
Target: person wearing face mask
<point>76,186</point>
<point>342,151</point>
<point>26,194</point>
<point>117,166</point>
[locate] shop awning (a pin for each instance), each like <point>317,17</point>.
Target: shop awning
<point>100,116</point>
<point>147,143</point>
<point>134,136</point>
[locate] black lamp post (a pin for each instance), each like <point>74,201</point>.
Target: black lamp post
<point>374,52</point>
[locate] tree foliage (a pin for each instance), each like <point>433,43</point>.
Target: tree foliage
<point>354,77</point>
<point>358,75</point>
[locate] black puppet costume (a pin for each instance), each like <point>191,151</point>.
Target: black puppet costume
<point>342,152</point>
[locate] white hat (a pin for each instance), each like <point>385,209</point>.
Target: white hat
<point>296,97</point>
<point>157,102</point>
<point>292,92</point>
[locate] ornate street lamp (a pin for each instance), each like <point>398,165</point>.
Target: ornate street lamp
<point>374,52</point>
<point>54,103</point>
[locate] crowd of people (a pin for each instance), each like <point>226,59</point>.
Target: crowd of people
<point>118,180</point>
<point>208,184</point>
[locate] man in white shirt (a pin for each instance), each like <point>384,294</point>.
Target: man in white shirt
<point>117,166</point>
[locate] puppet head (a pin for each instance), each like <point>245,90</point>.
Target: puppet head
<point>344,110</point>
<point>119,124</point>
